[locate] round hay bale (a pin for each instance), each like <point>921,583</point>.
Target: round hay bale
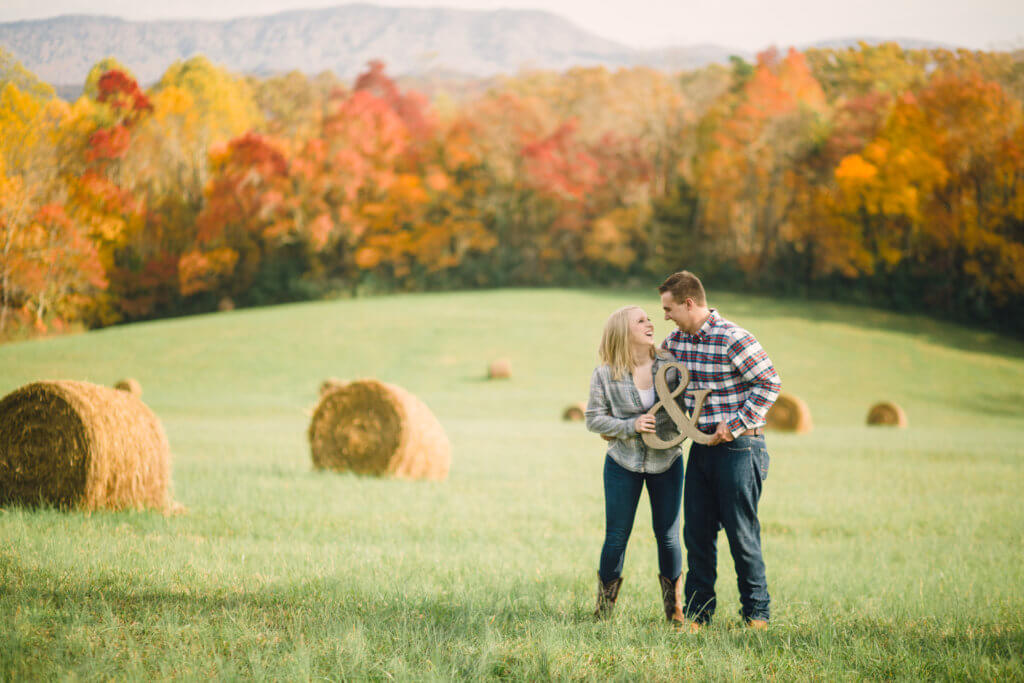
<point>575,412</point>
<point>789,414</point>
<point>330,384</point>
<point>888,414</point>
<point>79,445</point>
<point>131,385</point>
<point>500,369</point>
<point>370,427</point>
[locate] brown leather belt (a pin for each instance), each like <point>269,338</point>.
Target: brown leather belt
<point>756,431</point>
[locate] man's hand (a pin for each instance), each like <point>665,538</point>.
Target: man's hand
<point>722,434</point>
<point>645,423</point>
<point>607,438</point>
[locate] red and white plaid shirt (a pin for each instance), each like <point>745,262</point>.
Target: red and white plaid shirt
<point>726,359</point>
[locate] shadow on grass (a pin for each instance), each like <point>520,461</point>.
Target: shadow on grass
<point>280,604</point>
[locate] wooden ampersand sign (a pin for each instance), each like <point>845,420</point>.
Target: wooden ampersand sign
<point>666,399</point>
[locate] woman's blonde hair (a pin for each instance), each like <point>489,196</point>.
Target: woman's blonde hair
<point>614,350</point>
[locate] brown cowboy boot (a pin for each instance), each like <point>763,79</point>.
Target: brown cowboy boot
<point>607,594</point>
<point>672,597</point>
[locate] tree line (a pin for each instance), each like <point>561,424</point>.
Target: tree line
<point>874,174</point>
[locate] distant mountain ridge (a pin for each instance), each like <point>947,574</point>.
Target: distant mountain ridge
<point>341,39</point>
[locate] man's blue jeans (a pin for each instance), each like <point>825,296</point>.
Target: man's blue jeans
<point>622,490</point>
<point>723,487</point>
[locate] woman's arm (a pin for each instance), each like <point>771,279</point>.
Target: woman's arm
<point>599,414</point>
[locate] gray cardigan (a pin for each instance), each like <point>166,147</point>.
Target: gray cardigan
<point>612,410</point>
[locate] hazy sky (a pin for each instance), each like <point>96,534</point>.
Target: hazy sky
<point>745,24</point>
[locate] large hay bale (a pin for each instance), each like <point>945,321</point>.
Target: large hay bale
<point>500,369</point>
<point>888,414</point>
<point>789,414</point>
<point>574,412</point>
<point>79,445</point>
<point>370,427</point>
<point>330,384</point>
<point>131,385</point>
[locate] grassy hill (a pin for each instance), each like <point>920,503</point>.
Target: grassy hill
<point>889,553</point>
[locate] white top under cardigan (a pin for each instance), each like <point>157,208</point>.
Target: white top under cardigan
<point>646,397</point>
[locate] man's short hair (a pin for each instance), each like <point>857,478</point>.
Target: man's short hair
<point>684,285</point>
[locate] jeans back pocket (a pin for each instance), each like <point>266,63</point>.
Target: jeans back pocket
<point>762,460</point>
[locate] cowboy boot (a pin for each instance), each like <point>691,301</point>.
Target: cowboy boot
<point>672,597</point>
<point>607,594</point>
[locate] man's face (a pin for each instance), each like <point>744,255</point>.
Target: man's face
<point>679,313</point>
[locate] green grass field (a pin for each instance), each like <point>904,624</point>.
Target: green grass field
<point>890,553</point>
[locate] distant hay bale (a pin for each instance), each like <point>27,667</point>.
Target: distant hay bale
<point>79,445</point>
<point>330,384</point>
<point>888,414</point>
<point>369,427</point>
<point>226,304</point>
<point>789,414</point>
<point>130,385</point>
<point>500,369</point>
<point>574,412</point>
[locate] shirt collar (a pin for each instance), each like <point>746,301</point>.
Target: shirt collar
<point>711,322</point>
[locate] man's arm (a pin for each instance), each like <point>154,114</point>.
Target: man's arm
<point>753,364</point>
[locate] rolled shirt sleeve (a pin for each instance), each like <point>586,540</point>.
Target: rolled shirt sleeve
<point>756,369</point>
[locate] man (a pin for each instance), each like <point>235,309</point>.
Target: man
<point>723,480</point>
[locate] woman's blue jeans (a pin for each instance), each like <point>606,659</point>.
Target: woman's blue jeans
<point>622,490</point>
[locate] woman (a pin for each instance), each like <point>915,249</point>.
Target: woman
<point>621,393</point>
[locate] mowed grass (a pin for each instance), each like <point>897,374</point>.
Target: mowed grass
<point>890,553</point>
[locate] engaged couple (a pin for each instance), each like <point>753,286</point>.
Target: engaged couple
<point>732,384</point>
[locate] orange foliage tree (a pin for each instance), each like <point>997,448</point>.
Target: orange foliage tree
<point>940,188</point>
<point>748,173</point>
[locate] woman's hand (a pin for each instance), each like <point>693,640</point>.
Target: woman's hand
<point>645,423</point>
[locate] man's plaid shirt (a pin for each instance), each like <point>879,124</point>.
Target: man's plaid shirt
<point>727,360</point>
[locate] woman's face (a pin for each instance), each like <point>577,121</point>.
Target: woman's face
<point>641,329</point>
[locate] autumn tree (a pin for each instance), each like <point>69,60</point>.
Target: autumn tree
<point>940,188</point>
<point>249,215</point>
<point>399,187</point>
<point>38,243</point>
<point>13,71</point>
<point>54,267</point>
<point>853,72</point>
<point>753,145</point>
<point>293,105</point>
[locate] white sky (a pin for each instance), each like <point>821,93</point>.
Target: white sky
<point>744,24</point>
